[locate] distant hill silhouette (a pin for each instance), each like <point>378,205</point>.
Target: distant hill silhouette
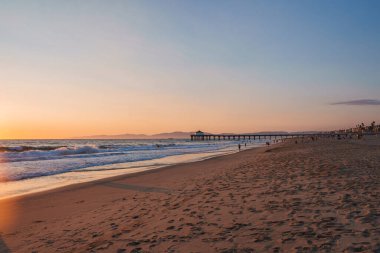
<point>270,132</point>
<point>171,135</point>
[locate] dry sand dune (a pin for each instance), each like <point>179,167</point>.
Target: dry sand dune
<point>318,196</point>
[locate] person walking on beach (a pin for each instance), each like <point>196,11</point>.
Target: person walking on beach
<point>245,144</point>
<point>239,147</point>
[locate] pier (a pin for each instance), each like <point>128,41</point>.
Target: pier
<point>232,137</point>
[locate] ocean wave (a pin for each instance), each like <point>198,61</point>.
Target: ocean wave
<point>29,148</point>
<point>33,153</point>
<point>47,153</point>
<point>19,149</point>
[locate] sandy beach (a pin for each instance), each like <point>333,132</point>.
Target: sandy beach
<point>320,196</point>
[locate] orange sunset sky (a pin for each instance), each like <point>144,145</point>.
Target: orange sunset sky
<point>114,67</point>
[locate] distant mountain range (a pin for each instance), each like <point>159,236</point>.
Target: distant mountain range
<point>172,135</point>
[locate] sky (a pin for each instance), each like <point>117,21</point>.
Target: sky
<point>78,68</point>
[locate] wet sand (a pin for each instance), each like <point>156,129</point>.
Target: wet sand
<point>318,196</point>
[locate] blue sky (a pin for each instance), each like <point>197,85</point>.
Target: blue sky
<point>248,63</point>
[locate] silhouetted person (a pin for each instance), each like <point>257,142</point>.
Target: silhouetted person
<point>239,147</point>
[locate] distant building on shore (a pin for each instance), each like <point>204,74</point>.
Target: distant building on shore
<point>361,128</point>
<point>199,133</point>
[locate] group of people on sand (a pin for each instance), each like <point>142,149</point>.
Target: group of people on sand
<point>338,137</point>
<point>267,143</point>
<point>239,146</point>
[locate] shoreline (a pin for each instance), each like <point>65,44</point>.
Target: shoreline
<point>155,169</point>
<point>38,168</point>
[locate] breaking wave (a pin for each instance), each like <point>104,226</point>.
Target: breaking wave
<point>45,153</point>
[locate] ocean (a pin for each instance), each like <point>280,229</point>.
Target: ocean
<point>36,165</point>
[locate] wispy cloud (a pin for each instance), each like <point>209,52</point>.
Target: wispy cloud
<point>359,102</point>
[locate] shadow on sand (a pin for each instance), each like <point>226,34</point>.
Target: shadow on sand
<point>3,247</point>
